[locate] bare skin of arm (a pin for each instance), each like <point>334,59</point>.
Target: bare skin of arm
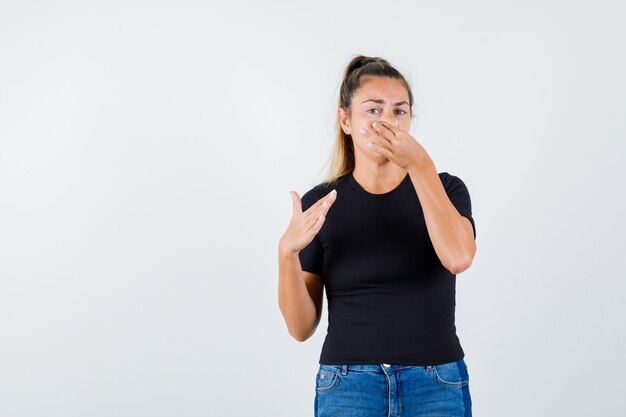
<point>451,234</point>
<point>300,297</point>
<point>300,293</point>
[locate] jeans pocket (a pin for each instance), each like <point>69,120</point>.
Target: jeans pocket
<point>452,375</point>
<point>327,378</point>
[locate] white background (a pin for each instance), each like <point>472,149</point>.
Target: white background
<point>147,151</point>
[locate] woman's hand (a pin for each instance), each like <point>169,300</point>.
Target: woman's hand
<point>397,145</point>
<point>304,225</point>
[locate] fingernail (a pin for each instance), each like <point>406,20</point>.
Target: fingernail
<point>361,130</point>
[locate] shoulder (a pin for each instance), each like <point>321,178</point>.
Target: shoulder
<point>318,191</point>
<point>450,181</point>
<point>311,196</point>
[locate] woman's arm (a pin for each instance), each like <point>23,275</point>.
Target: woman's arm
<point>300,296</point>
<point>451,234</point>
<point>300,292</point>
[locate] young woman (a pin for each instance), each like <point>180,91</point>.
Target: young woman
<point>385,235</point>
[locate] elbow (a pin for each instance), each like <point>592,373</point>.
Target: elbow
<point>300,337</point>
<point>460,266</point>
<point>460,263</point>
<point>297,334</point>
<point>457,270</point>
<point>302,333</point>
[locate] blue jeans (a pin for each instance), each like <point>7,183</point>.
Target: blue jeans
<point>384,390</point>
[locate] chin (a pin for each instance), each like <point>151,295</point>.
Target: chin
<point>378,157</point>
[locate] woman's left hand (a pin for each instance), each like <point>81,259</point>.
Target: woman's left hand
<point>398,146</point>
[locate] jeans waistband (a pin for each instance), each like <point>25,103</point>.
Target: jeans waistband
<point>374,367</point>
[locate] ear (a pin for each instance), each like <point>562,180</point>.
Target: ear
<point>344,121</point>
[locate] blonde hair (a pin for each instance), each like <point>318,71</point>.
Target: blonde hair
<point>341,160</point>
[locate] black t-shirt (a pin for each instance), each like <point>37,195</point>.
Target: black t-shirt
<point>390,300</point>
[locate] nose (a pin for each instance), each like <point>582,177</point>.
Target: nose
<point>391,119</point>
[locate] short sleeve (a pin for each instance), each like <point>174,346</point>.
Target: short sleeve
<point>312,256</point>
<point>459,196</point>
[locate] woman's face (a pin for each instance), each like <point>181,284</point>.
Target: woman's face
<point>378,99</point>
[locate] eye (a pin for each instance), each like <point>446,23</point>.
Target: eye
<point>403,112</point>
<point>371,110</point>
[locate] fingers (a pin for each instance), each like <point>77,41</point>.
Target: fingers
<point>382,150</point>
<point>320,217</point>
<point>379,144</point>
<point>384,129</point>
<point>323,202</point>
<point>319,222</point>
<point>376,137</point>
<point>321,207</point>
<point>297,202</point>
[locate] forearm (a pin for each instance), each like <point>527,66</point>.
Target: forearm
<point>448,230</point>
<point>296,305</point>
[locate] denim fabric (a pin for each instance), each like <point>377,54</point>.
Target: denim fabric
<point>379,390</point>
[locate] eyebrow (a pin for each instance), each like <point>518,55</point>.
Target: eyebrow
<point>381,101</point>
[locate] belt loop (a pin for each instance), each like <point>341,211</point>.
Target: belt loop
<point>344,369</point>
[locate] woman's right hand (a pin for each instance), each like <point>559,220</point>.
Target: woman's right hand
<point>304,225</point>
